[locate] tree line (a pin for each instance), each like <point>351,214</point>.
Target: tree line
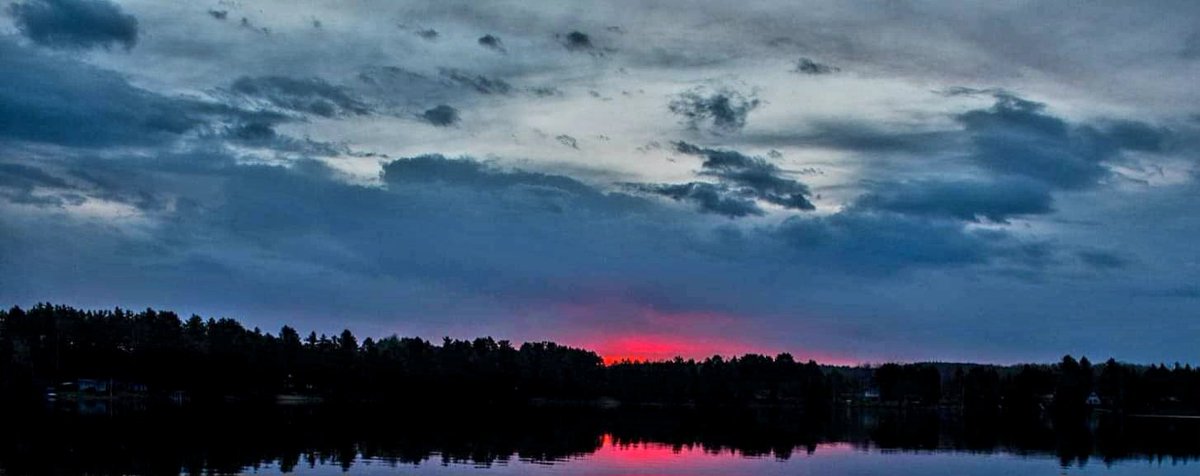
<point>155,353</point>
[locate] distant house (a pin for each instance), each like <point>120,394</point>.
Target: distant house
<point>178,397</point>
<point>92,386</point>
<point>871,395</point>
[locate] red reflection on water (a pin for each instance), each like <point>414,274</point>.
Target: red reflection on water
<point>647,458</point>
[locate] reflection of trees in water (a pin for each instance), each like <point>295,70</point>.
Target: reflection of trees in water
<point>234,440</point>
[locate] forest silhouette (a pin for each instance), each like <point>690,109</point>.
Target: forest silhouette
<point>64,352</point>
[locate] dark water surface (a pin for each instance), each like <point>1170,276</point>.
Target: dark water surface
<point>269,440</point>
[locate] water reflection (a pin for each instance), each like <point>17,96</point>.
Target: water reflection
<point>273,440</point>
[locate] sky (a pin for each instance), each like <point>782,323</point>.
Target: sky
<point>845,181</point>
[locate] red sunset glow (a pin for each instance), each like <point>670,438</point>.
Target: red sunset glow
<point>657,347</point>
<point>643,333</point>
<point>649,347</point>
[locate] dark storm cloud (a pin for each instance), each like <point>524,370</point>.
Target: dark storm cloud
<point>456,222</point>
<point>441,116</point>
<point>577,41</point>
<point>1191,46</point>
<point>994,200</point>
<point>492,42</point>
<point>253,132</point>
<point>567,141</point>
<point>1013,137</point>
<point>55,100</point>
<point>1176,292</point>
<point>480,83</point>
<point>394,80</point>
<point>481,228</point>
<point>708,197</point>
<point>436,168</point>
<point>753,175</point>
<point>545,91</point>
<point>18,183</point>
<point>247,24</point>
<point>75,24</point>
<point>176,215</point>
<point>875,241</point>
<point>861,137</point>
<point>262,134</point>
<point>1017,137</point>
<point>1025,155</point>
<point>742,181</point>
<point>723,110</point>
<point>305,95</point>
<point>427,34</point>
<point>24,176</point>
<point>808,66</point>
<point>1102,260</point>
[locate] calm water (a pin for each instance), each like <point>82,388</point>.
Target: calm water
<point>272,441</point>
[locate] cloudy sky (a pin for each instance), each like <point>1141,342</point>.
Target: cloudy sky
<point>845,181</point>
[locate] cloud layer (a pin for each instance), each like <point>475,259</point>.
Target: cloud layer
<point>952,193</point>
<point>75,24</point>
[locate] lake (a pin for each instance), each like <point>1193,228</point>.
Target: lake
<point>272,440</point>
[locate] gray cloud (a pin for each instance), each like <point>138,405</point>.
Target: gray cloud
<point>884,243</point>
<point>436,168</point>
<point>305,95</point>
<point>545,91</point>
<point>18,183</point>
<point>1015,136</point>
<point>50,99</point>
<point>262,134</point>
<point>723,110</point>
<point>113,193</point>
<point>808,66</point>
<point>478,226</point>
<point>756,175</point>
<point>491,41</point>
<point>427,34</point>
<point>1020,154</point>
<point>247,24</point>
<point>441,115</point>
<point>742,181</point>
<point>995,200</point>
<point>1191,46</point>
<point>389,82</point>
<point>578,41</point>
<point>441,231</point>
<point>567,141</point>
<point>478,82</point>
<point>1102,260</point>
<point>870,139</point>
<point>75,24</point>
<point>710,198</point>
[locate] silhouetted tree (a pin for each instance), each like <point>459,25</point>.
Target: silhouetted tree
<point>211,359</point>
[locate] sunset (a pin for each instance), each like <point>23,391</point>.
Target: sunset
<point>813,205</point>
